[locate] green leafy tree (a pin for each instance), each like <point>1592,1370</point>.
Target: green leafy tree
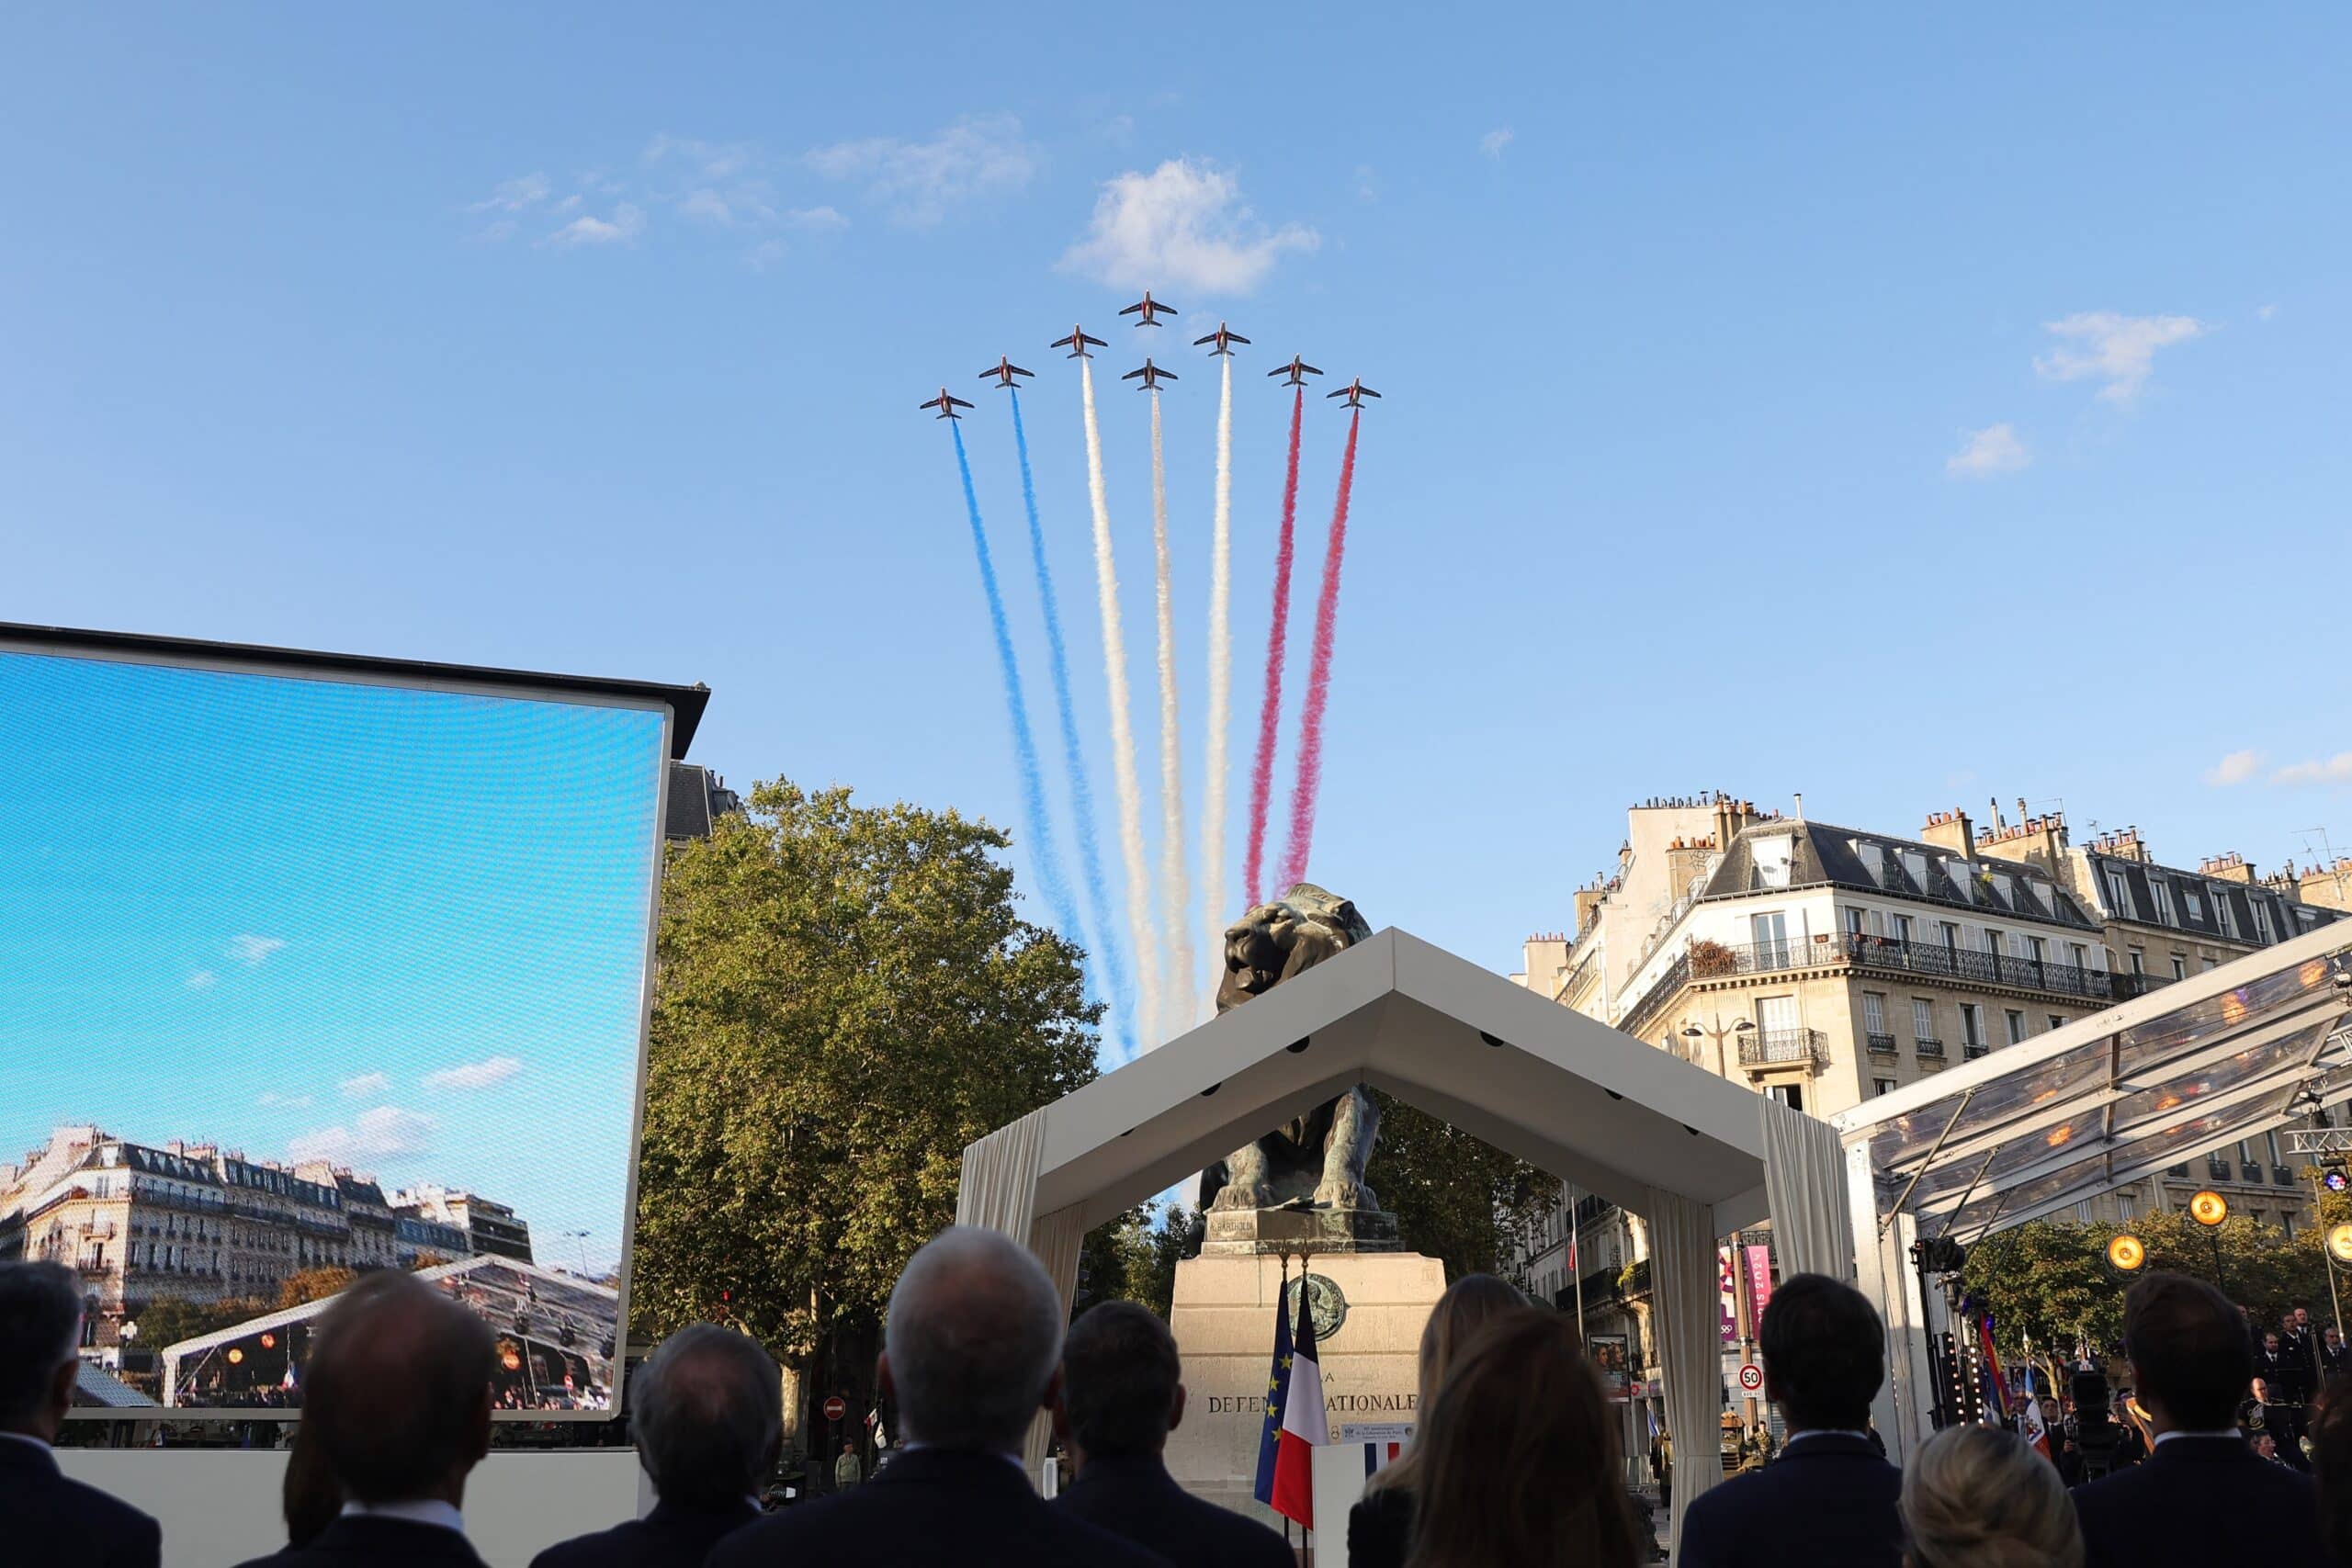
<point>168,1320</point>
<point>312,1284</point>
<point>846,997</point>
<point>1133,1259</point>
<point>1455,1198</point>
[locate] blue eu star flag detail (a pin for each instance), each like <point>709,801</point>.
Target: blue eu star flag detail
<point>1269,1435</point>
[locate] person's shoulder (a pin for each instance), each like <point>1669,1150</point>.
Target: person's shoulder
<point>788,1536</point>
<point>103,1511</point>
<point>1240,1538</point>
<point>594,1549</point>
<point>1082,1541</point>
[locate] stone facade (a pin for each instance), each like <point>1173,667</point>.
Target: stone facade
<point>194,1222</point>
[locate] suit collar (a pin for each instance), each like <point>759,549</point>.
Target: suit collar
<point>1131,1468</point>
<point>720,1520</point>
<point>413,1541</point>
<point>988,1471</point>
<point>26,1455</point>
<point>2209,1449</point>
<point>1825,1445</point>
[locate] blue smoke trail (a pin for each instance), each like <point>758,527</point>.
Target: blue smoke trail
<point>1081,789</point>
<point>1043,857</point>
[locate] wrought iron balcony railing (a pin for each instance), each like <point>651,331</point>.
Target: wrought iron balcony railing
<point>1782,1047</point>
<point>1880,1044</point>
<point>1929,1047</point>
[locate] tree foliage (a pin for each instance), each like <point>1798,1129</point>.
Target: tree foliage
<point>2050,1281</point>
<point>167,1320</point>
<point>1455,1198</point>
<point>846,998</point>
<point>312,1284</point>
<point>1133,1259</point>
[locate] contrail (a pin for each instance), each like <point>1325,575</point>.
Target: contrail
<point>1123,735</point>
<point>1042,856</point>
<point>1175,891</point>
<point>1309,784</point>
<point>1112,951</point>
<point>1213,908</point>
<point>1269,710</point>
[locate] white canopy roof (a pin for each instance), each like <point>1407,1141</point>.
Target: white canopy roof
<point>1569,1094</point>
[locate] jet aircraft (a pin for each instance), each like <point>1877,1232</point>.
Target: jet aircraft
<point>1355,392</point>
<point>945,404</point>
<point>1224,337</point>
<point>1004,370</point>
<point>1152,376</point>
<point>1297,370</point>
<point>1149,308</point>
<point>1076,343</point>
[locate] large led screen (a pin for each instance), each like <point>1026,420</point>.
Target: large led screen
<point>302,976</point>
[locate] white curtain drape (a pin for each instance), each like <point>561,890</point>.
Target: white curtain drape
<point>1000,1184</point>
<point>1685,1291</point>
<point>1054,1238</point>
<point>1804,1183</point>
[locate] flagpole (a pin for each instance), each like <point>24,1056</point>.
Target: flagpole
<point>1576,1264</point>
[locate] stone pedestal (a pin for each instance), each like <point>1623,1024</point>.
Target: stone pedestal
<point>1377,1304</point>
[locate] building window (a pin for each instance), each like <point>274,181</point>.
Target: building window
<point>1771,934</point>
<point>2262,931</point>
<point>1881,1086</point>
<point>1791,1095</point>
<point>1994,942</point>
<point>2287,1223</point>
<point>1923,1018</point>
<point>2162,892</point>
<point>2211,962</point>
<point>2057,1021</point>
<point>2079,955</point>
<point>2138,962</point>
<point>1903,928</point>
<point>2036,950</point>
<point>2125,1208</point>
<point>1952,935</point>
<point>1874,1015</point>
<point>2179,967</point>
<point>1972,1029</point>
<point>2223,916</point>
<point>2016,1026</point>
<point>2192,903</point>
<point>1853,920</point>
<point>2119,893</point>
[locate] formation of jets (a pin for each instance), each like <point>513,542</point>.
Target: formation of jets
<point>1149,310</point>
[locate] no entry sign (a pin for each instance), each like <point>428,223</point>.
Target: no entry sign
<point>836,1408</point>
<point>1751,1378</point>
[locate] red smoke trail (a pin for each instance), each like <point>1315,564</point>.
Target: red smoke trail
<point>1309,786</point>
<point>1270,711</point>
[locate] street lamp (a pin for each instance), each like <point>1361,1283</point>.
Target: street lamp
<point>2210,1209</point>
<point>1693,1031</point>
<point>581,1238</point>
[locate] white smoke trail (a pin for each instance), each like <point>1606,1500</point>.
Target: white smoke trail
<point>1175,891</point>
<point>1123,736</point>
<point>1213,908</point>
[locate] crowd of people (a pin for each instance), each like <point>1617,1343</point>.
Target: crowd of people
<point>1516,1465</point>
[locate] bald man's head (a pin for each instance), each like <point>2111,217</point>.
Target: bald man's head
<point>398,1389</point>
<point>973,1340</point>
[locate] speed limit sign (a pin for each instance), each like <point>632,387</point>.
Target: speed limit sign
<point>1751,1377</point>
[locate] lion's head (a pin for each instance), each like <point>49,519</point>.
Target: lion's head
<point>1275,941</point>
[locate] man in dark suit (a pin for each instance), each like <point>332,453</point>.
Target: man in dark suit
<point>1829,1500</point>
<point>970,1353</point>
<point>706,1410</point>
<point>2202,1489</point>
<point>43,1515</point>
<point>398,1396</point>
<point>1122,1394</point>
<point>2285,1381</point>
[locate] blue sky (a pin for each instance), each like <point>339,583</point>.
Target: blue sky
<point>1899,407</point>
<point>401,930</point>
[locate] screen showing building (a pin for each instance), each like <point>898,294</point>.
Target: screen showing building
<point>302,976</point>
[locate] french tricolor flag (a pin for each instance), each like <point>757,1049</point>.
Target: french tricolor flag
<point>1304,1426</point>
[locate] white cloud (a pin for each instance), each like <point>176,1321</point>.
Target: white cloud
<point>706,204</point>
<point>285,1101</point>
<point>202,979</point>
<point>2234,769</point>
<point>385,1132</point>
<point>814,220</point>
<point>921,182</point>
<point>626,224</point>
<point>1494,141</point>
<point>711,160</point>
<point>247,948</point>
<point>475,1074</point>
<point>1987,453</point>
<point>1181,226</point>
<point>2319,770</point>
<point>2117,350</point>
<point>514,195</point>
<point>1367,183</point>
<point>2264,312</point>
<point>364,1086</point>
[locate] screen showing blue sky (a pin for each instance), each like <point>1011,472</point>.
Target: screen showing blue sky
<point>404,931</point>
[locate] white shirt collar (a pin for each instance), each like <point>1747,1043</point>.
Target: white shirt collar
<point>2232,1433</point>
<point>422,1511</point>
<point>1795,1437</point>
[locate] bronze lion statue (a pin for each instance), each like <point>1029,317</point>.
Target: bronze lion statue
<point>1320,1158</point>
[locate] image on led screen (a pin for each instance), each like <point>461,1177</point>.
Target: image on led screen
<point>305,978</point>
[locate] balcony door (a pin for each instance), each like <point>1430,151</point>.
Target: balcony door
<point>1777,1018</point>
<point>1771,935</point>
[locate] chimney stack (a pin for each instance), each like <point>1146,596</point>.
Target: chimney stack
<point>1950,831</point>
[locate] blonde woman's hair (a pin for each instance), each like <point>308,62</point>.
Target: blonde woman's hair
<point>1467,1303</point>
<point>1978,1497</point>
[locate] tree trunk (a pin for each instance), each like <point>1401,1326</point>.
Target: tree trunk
<point>795,1386</point>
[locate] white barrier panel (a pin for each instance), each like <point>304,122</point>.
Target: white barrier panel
<point>1342,1470</point>
<point>221,1507</point>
